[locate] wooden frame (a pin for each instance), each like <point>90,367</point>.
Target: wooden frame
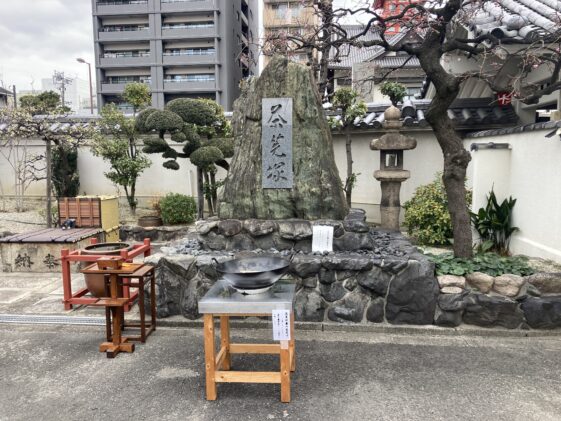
<point>218,365</point>
<point>70,299</point>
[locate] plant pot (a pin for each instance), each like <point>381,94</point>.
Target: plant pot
<point>96,283</point>
<point>150,221</point>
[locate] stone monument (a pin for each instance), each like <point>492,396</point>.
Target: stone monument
<point>283,166</point>
<point>391,173</point>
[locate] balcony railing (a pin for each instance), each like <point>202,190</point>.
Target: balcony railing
<point>179,1</point>
<point>125,54</point>
<point>188,25</point>
<point>127,79</point>
<point>124,28</point>
<point>190,52</point>
<point>189,78</point>
<point>119,3</point>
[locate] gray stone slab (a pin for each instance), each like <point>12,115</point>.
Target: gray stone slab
<point>11,295</point>
<point>276,143</point>
<point>222,298</point>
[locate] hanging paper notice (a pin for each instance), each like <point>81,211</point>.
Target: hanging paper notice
<point>281,325</point>
<point>322,239</point>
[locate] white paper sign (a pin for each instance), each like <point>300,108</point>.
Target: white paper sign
<point>281,325</point>
<point>322,239</point>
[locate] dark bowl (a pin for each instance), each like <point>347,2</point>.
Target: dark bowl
<point>253,272</point>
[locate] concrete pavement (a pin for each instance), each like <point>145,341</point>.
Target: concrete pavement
<point>55,372</point>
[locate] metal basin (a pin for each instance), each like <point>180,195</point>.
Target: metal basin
<point>253,273</point>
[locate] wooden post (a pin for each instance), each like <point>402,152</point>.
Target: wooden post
<point>210,352</point>
<point>225,342</point>
<point>66,283</point>
<point>285,371</point>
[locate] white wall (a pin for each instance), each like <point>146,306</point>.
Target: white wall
<point>531,173</point>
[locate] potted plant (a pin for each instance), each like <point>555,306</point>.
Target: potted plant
<point>152,220</point>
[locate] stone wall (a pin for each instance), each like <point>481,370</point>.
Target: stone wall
<point>356,288</point>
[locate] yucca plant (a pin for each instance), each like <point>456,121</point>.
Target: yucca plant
<point>493,223</point>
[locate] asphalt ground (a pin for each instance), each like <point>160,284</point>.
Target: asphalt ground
<point>50,372</point>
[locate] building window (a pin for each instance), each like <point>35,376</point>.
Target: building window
<point>127,79</point>
<point>203,51</point>
<point>120,54</point>
<point>123,28</point>
<point>190,78</point>
<point>190,25</point>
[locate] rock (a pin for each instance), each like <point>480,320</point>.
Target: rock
<point>308,306</point>
<point>375,280</point>
<point>305,266</point>
<point>375,310</point>
<point>508,285</point>
<point>332,292</point>
<point>197,287</point>
<point>349,309</point>
<point>412,300</point>
<point>259,227</point>
<point>213,241</point>
<point>345,274</point>
<point>547,283</point>
<point>295,230</point>
<point>532,291</point>
<point>352,241</point>
<point>229,227</point>
<point>326,276</point>
<point>353,225</point>
<point>356,214</point>
<point>204,227</point>
<point>451,281</point>
<point>317,191</point>
<point>481,281</point>
<point>310,282</point>
<point>452,302</point>
<point>338,229</point>
<point>347,262</point>
<point>485,310</point>
<point>239,242</point>
<point>350,284</point>
<point>447,318</point>
<point>542,313</point>
<point>451,290</point>
<point>304,246</point>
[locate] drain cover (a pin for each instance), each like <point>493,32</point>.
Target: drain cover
<point>33,319</point>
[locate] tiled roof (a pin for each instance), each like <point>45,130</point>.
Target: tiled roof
<point>5,92</point>
<point>520,129</point>
<point>395,62</point>
<point>466,114</point>
<point>523,20</point>
<point>348,54</point>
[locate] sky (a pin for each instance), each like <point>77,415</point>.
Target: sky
<point>40,36</point>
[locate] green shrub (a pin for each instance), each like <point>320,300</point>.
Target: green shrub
<point>426,214</point>
<point>489,263</point>
<point>177,208</point>
<point>493,223</point>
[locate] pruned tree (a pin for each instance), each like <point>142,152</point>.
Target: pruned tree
<point>118,142</point>
<point>53,129</point>
<point>351,107</point>
<point>200,126</point>
<point>138,95</point>
<point>439,33</point>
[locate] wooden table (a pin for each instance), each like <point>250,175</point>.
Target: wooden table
<point>223,301</point>
<point>116,303</point>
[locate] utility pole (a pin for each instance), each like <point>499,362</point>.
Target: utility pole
<point>60,81</point>
<point>15,96</point>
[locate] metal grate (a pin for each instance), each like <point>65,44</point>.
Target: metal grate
<point>51,320</point>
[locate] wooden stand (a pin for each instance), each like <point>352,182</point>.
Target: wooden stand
<point>121,274</point>
<point>217,366</point>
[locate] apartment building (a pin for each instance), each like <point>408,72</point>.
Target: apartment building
<point>181,48</point>
<point>294,17</point>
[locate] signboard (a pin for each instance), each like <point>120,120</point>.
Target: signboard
<point>322,238</point>
<point>281,325</point>
<point>276,143</point>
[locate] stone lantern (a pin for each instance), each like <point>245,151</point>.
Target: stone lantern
<point>391,173</point>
